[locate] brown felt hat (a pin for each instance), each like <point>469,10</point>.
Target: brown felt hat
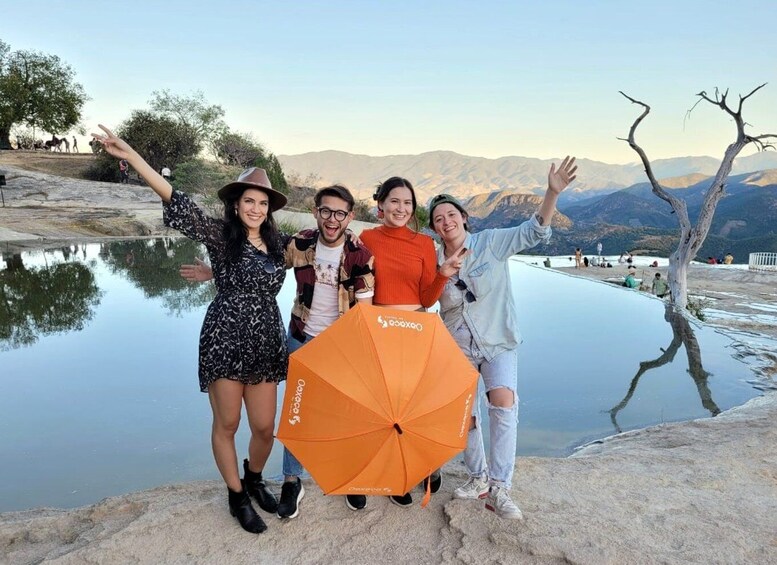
<point>254,178</point>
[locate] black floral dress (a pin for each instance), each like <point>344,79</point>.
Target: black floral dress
<point>242,336</point>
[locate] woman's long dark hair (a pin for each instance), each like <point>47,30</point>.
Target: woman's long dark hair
<point>236,234</point>
<point>383,189</point>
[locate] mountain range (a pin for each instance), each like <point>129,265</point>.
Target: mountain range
<point>465,176</point>
<point>609,203</point>
<point>635,219</point>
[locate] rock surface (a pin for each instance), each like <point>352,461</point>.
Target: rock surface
<point>695,492</point>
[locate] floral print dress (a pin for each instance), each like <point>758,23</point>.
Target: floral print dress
<point>242,337</point>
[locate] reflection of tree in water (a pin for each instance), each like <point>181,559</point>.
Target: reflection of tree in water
<point>152,266</point>
<point>44,300</point>
<point>682,334</point>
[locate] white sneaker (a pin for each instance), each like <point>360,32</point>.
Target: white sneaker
<point>499,502</point>
<point>474,488</point>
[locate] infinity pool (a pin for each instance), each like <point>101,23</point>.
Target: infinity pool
<point>98,366</point>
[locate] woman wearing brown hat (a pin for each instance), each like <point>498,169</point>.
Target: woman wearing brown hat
<point>243,352</point>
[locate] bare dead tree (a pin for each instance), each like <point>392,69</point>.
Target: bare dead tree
<point>692,237</point>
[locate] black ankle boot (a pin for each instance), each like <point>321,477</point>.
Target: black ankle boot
<point>255,486</point>
<point>240,507</point>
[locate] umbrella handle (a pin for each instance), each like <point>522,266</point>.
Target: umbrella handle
<point>428,494</point>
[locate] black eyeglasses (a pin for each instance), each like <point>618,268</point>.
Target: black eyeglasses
<point>468,296</point>
<point>327,213</point>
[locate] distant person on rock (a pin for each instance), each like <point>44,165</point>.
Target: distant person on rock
<point>728,259</point>
<point>660,288</point>
<point>75,144</point>
<point>546,262</point>
<point>578,258</point>
<point>124,171</point>
<point>631,279</point>
<point>599,249</point>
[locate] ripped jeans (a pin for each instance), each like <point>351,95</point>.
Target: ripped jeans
<point>500,372</point>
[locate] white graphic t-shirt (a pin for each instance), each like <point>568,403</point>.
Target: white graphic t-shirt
<point>324,310</point>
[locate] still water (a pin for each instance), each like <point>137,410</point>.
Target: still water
<point>98,368</point>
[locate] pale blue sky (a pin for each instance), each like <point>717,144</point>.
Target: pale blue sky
<point>480,78</point>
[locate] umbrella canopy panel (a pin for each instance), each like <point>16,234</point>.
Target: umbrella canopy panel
<point>377,401</point>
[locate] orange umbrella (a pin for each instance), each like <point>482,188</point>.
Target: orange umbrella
<point>378,401</point>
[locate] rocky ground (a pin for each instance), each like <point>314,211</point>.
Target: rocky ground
<point>693,492</point>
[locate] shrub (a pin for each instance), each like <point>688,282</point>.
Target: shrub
<point>104,168</point>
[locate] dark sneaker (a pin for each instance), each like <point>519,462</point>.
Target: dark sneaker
<point>436,479</point>
<point>355,501</point>
<point>255,486</point>
<point>291,494</point>
<point>403,500</point>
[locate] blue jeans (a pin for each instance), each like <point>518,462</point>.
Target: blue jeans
<point>292,467</point>
<point>500,372</point>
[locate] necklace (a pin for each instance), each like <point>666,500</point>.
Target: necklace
<point>257,242</point>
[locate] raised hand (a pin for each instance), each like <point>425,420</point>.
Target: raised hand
<point>559,179</point>
<point>199,272</point>
<point>114,145</point>
<point>120,149</point>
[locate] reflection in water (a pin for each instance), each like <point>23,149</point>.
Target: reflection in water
<point>152,265</point>
<point>116,402</point>
<point>682,334</point>
<point>39,301</point>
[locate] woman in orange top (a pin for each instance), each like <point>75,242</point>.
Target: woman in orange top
<point>406,273</point>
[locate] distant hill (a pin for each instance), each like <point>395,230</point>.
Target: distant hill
<point>745,219</point>
<point>501,210</point>
<point>465,176</point>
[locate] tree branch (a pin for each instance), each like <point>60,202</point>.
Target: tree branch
<point>677,205</point>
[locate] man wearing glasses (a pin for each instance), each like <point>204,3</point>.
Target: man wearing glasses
<point>333,272</point>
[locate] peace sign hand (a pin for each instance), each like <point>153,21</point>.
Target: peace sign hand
<point>114,145</point>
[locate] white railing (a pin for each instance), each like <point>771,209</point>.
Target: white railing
<point>762,262</point>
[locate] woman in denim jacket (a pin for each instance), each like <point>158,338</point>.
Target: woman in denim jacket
<point>474,311</point>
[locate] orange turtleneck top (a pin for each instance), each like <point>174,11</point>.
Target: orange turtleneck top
<point>405,266</point>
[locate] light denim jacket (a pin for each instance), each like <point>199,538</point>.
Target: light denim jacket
<point>491,317</point>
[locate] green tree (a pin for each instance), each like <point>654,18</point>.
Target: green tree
<point>422,215</point>
<point>152,266</point>
<point>159,140</point>
<point>39,91</point>
<point>205,121</point>
<point>44,300</point>
<point>242,150</point>
<point>238,149</point>
<point>269,162</point>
